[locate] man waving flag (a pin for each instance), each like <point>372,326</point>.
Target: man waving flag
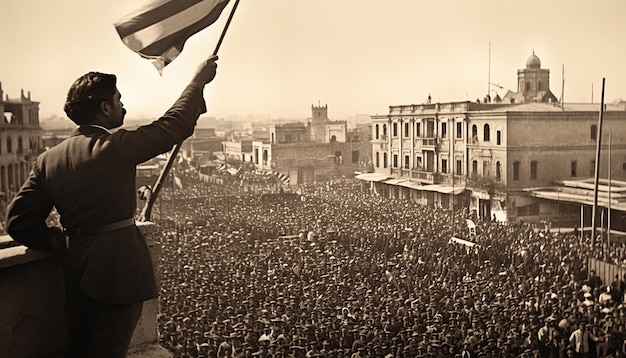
<point>158,30</point>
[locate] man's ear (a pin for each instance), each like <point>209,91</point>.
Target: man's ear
<point>105,108</point>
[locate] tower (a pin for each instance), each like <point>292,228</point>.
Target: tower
<point>319,113</point>
<point>533,82</point>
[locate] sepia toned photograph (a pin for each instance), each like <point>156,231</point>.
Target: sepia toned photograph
<point>328,178</point>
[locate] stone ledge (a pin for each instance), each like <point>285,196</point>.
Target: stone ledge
<point>13,253</point>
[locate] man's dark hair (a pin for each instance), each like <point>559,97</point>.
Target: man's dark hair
<point>86,94</point>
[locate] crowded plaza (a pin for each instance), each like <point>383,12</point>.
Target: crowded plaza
<point>336,271</point>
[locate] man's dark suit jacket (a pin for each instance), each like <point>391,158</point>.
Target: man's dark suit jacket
<point>90,180</point>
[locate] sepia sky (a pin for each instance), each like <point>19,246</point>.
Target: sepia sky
<point>357,56</point>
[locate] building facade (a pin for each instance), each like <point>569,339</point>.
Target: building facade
<point>20,140</point>
<point>317,151</point>
<point>486,156</point>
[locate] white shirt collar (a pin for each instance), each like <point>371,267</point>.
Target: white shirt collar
<point>99,126</point>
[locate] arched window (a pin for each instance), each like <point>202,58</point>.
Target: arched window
<point>498,171</point>
<point>384,130</point>
<point>20,146</point>
<point>474,132</point>
<point>9,145</point>
<point>384,160</point>
<point>474,167</point>
<point>594,132</point>
<point>377,160</point>
<point>377,132</point>
<point>486,134</point>
<point>516,170</point>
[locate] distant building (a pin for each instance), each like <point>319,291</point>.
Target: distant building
<point>533,84</point>
<point>20,140</point>
<point>497,159</point>
<point>318,151</point>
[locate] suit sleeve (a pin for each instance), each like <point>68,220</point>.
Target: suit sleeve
<point>161,135</point>
<point>27,214</point>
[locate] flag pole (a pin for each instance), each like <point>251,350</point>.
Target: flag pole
<point>597,171</point>
<point>147,209</point>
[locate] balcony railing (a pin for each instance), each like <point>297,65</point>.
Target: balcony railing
<point>447,179</point>
<point>429,142</point>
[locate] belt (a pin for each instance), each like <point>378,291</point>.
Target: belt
<point>95,230</point>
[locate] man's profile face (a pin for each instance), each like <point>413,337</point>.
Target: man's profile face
<point>116,117</point>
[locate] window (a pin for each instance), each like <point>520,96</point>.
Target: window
<point>384,160</point>
<point>395,161</point>
<point>9,145</point>
<point>444,130</point>
<point>474,168</point>
<point>418,161</point>
<point>377,160</point>
<point>430,129</point>
<point>515,170</point>
<point>407,130</point>
<point>498,137</point>
<point>459,167</point>
<point>474,133</point>
<point>459,130</point>
<point>624,166</point>
<point>406,161</point>
<point>376,131</point>
<point>418,129</point>
<point>573,169</point>
<point>355,156</point>
<point>384,130</point>
<point>486,133</point>
<point>444,166</point>
<point>498,171</point>
<point>395,129</point>
<point>533,169</point>
<point>594,132</point>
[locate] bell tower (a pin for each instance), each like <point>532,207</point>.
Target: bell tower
<point>533,82</point>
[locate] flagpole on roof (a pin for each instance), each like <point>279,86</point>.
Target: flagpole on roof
<point>147,209</point>
<point>597,171</point>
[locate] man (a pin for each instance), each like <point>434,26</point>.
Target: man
<point>90,180</point>
<point>546,336</point>
<point>580,338</point>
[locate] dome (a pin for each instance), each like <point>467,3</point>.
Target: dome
<point>533,61</point>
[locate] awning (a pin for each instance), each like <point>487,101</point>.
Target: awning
<point>444,189</point>
<point>411,184</point>
<point>577,196</point>
<point>372,176</point>
<point>395,181</point>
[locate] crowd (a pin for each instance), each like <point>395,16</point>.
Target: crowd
<point>339,272</point>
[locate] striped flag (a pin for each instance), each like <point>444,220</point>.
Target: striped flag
<point>158,30</point>
<point>284,178</point>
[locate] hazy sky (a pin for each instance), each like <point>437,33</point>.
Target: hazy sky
<point>358,56</point>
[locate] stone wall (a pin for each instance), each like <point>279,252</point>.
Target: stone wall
<point>32,323</point>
